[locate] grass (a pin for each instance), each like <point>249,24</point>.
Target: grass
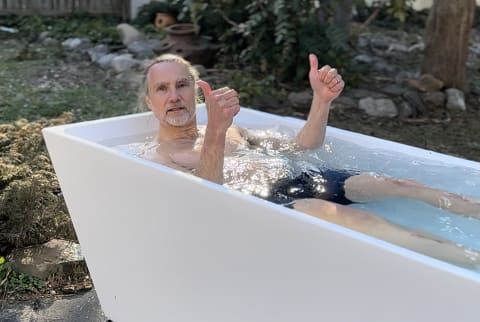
<point>23,97</point>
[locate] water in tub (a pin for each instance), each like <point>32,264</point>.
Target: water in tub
<point>279,161</point>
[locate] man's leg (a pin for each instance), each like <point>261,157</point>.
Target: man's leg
<point>380,228</point>
<point>366,187</point>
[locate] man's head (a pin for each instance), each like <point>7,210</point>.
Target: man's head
<point>170,90</point>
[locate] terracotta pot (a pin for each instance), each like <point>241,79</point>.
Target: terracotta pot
<point>163,20</point>
<point>182,39</point>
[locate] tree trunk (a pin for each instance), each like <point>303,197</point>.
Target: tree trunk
<point>446,41</point>
<point>340,10</point>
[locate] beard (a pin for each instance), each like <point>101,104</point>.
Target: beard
<point>178,118</point>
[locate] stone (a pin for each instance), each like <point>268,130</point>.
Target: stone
<point>415,101</point>
<point>359,93</point>
<point>40,261</point>
<point>301,99</point>
<point>426,83</point>
<point>77,43</point>
<point>393,89</point>
<point>416,47</point>
<point>380,107</point>
<point>344,102</point>
<point>123,62</point>
<point>455,99</point>
<point>105,61</point>
<point>143,49</point>
<point>97,52</point>
<point>363,59</point>
<point>405,110</point>
<point>128,33</point>
<point>50,42</point>
<point>434,99</point>
<point>383,67</point>
<point>43,35</point>
<point>397,47</point>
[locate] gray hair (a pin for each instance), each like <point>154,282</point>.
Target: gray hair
<point>165,58</point>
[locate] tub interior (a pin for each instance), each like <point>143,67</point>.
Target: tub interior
<point>345,149</point>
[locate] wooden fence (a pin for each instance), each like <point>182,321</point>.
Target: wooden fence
<point>119,8</point>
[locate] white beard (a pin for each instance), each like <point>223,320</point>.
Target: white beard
<point>178,119</point>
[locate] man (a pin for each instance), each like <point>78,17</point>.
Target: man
<point>170,92</point>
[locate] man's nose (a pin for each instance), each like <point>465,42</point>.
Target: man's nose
<point>173,95</point>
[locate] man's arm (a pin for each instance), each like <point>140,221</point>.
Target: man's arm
<point>326,84</point>
<point>222,105</point>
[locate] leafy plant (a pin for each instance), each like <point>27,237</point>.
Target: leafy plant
<point>275,36</point>
<point>147,12</point>
<point>14,282</point>
<point>77,25</point>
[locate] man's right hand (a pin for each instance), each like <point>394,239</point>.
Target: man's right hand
<point>222,105</point>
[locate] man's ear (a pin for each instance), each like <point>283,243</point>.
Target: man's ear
<point>148,102</point>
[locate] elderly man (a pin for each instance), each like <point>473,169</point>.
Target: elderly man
<point>180,143</point>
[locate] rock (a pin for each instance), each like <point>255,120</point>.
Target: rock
<point>128,33</point>
<point>383,67</point>
<point>97,52</point>
<point>455,99</point>
<point>380,107</point>
<point>344,102</point>
<point>363,59</point>
<point>77,43</point>
<point>41,261</point>
<point>123,62</point>
<point>301,99</point>
<point>397,47</point>
<point>414,100</point>
<point>143,49</point>
<point>434,99</point>
<point>81,307</point>
<point>106,61</point>
<point>50,41</point>
<point>417,47</point>
<point>393,89</point>
<point>426,83</point>
<point>359,93</point>
<point>43,35</point>
<point>405,110</point>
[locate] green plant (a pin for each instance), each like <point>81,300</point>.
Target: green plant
<point>77,25</point>
<point>14,282</point>
<point>146,13</point>
<point>249,87</point>
<point>275,36</point>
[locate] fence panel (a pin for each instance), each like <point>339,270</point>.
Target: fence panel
<point>120,8</point>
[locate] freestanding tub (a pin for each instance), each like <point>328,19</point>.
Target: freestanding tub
<point>162,245</point>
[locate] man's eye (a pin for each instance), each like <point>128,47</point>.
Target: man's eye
<point>161,88</point>
<point>181,85</point>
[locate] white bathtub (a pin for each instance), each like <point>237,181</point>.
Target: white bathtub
<point>162,245</point>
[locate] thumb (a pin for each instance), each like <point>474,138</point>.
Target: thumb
<point>205,87</point>
<point>313,62</point>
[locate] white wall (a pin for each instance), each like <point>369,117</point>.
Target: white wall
<point>418,4</point>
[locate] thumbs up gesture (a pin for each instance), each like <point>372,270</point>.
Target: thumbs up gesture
<point>325,82</point>
<point>222,105</point>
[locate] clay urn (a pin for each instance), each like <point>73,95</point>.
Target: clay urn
<point>182,39</point>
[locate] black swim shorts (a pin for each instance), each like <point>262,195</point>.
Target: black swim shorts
<point>327,184</point>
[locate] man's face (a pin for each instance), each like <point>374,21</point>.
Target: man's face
<point>171,93</point>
